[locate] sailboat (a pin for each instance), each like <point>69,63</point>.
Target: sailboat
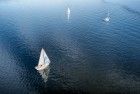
<point>68,10</point>
<point>68,13</point>
<point>44,61</point>
<point>107,19</point>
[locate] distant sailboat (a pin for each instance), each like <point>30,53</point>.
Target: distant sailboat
<point>107,19</point>
<point>43,61</point>
<point>68,13</point>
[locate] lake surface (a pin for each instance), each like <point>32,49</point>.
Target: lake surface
<point>88,55</point>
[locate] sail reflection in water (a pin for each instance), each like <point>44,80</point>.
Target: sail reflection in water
<point>45,73</point>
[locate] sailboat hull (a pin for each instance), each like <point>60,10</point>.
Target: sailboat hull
<point>107,19</point>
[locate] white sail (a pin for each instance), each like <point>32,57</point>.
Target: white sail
<point>43,58</point>
<point>68,13</point>
<point>68,10</point>
<point>44,61</point>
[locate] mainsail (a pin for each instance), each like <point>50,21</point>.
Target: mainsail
<point>43,58</point>
<point>68,13</point>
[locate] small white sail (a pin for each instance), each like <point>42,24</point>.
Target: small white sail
<point>68,10</point>
<point>44,61</point>
<point>68,13</point>
<point>43,58</point>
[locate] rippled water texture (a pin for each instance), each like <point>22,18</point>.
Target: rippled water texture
<point>87,54</point>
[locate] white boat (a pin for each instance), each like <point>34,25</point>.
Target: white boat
<point>68,13</point>
<point>44,61</point>
<point>107,19</point>
<point>68,10</point>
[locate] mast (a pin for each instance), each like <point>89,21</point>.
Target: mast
<point>108,13</point>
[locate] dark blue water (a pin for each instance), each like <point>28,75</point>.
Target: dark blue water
<point>88,55</point>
